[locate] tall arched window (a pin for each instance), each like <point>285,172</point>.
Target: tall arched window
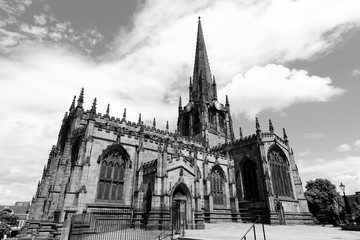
<point>280,172</point>
<point>251,191</point>
<point>112,173</point>
<point>217,186</point>
<point>75,153</point>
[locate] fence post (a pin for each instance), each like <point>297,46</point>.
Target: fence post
<point>263,228</point>
<point>254,231</point>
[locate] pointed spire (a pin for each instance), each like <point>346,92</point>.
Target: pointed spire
<point>93,107</point>
<point>241,134</point>
<point>124,114</point>
<point>167,125</point>
<point>154,123</point>
<point>72,104</point>
<point>285,135</point>
<point>180,105</point>
<point>81,98</point>
<point>227,101</point>
<point>201,64</point>
<point>271,127</point>
<point>139,121</point>
<point>108,110</point>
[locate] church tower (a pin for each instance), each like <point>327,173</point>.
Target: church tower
<point>204,118</point>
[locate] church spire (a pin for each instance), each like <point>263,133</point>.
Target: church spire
<point>201,67</point>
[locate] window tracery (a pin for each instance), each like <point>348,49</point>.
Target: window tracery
<point>111,177</point>
<point>280,173</point>
<point>217,186</point>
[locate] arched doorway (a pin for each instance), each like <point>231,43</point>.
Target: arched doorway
<point>280,211</point>
<point>251,191</point>
<point>181,208</point>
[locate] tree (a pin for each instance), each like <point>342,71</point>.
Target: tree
<point>325,203</point>
<point>356,210</point>
<point>8,218</point>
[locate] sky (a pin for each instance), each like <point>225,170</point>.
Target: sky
<point>296,62</point>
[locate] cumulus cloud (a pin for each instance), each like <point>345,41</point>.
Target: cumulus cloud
<point>346,147</point>
<point>355,73</point>
<point>153,60</point>
<point>276,87</point>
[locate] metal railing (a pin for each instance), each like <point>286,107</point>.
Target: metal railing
<point>132,224</point>
<point>258,220</point>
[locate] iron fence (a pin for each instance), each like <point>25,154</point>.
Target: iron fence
<point>127,224</point>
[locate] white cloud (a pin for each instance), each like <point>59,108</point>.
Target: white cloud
<point>154,60</point>
<point>313,135</point>
<point>305,152</point>
<point>40,19</point>
<point>276,87</point>
<point>345,147</point>
<point>336,170</point>
<point>355,73</point>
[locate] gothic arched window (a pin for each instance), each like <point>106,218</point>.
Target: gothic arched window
<point>280,173</point>
<point>112,173</point>
<point>251,191</point>
<point>217,186</point>
<point>222,122</point>
<point>75,153</point>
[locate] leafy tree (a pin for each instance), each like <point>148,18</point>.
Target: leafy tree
<point>356,210</point>
<point>8,218</point>
<point>325,203</point>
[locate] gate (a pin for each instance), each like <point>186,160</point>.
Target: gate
<point>179,217</point>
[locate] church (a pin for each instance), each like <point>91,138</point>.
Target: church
<point>103,162</point>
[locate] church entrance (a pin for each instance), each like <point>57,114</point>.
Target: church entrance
<point>181,209</point>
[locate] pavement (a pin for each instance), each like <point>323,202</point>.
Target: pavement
<point>235,231</point>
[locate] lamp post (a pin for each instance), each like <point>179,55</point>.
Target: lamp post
<point>348,214</point>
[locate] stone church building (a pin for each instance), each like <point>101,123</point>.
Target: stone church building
<point>103,162</point>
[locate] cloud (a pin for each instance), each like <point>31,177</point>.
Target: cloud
<point>313,135</point>
<point>355,73</point>
<point>305,152</point>
<point>346,147</point>
<point>276,87</point>
<point>336,170</point>
<point>151,65</point>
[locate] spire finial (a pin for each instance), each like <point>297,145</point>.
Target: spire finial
<point>65,116</point>
<point>271,127</point>
<point>180,105</point>
<point>257,125</point>
<point>139,121</point>
<point>124,114</point>
<point>227,101</point>
<point>167,125</point>
<point>108,109</point>
<point>81,98</point>
<point>93,107</point>
<point>154,123</point>
<point>241,133</point>
<point>285,135</point>
<point>214,88</point>
<point>72,104</point>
